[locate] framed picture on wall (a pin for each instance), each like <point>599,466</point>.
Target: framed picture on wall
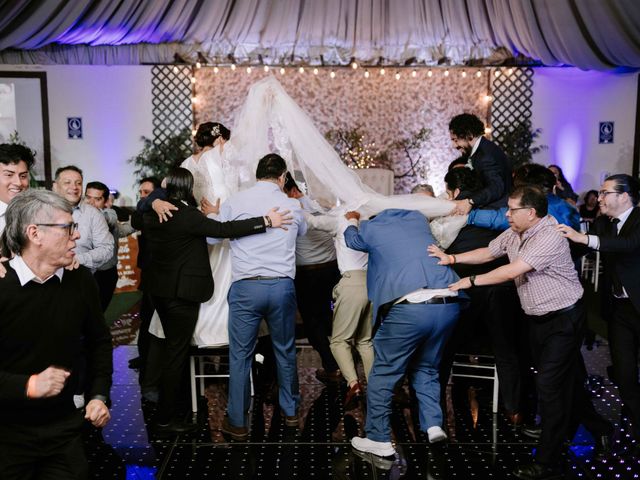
<point>24,117</point>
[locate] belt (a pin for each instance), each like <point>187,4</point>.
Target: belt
<point>433,300</point>
<point>547,316</point>
<point>261,277</point>
<point>317,266</point>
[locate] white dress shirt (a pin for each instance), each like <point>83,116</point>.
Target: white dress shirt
<point>25,274</point>
<point>3,209</point>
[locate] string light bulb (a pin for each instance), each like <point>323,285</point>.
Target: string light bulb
<point>332,74</point>
<point>414,74</point>
<point>446,73</point>
<point>282,71</point>
<point>366,74</point>
<point>233,66</point>
<point>248,70</point>
<point>487,98</point>
<point>315,71</point>
<point>354,65</point>
<point>193,79</point>
<point>497,73</point>
<point>175,69</point>
<point>510,71</point>
<point>429,73</point>
<point>301,70</point>
<point>266,68</point>
<point>382,71</point>
<point>193,132</point>
<point>397,75</point>
<point>194,100</point>
<point>216,69</point>
<point>463,74</point>
<point>478,74</point>
<point>487,130</point>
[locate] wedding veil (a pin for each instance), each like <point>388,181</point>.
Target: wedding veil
<point>270,121</point>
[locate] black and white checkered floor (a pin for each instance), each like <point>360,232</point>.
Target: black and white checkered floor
<point>482,445</point>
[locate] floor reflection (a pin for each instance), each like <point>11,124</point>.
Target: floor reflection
<point>482,444</point>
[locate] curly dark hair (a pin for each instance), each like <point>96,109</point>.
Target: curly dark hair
<point>10,154</point>
<point>466,125</point>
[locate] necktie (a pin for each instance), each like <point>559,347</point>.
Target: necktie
<point>616,284</point>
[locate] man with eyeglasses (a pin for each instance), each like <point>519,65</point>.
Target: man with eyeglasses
<point>95,245</point>
<point>551,297</point>
<point>52,331</point>
<point>616,234</point>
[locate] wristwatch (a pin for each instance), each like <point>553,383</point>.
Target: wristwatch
<point>472,279</point>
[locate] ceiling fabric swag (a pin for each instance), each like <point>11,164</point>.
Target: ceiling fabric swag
<point>590,34</point>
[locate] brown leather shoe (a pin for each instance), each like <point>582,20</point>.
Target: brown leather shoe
<point>324,376</point>
<point>239,434</point>
<point>291,421</point>
<point>353,396</point>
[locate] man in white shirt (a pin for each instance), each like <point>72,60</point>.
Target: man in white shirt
<point>94,248</point>
<point>15,163</point>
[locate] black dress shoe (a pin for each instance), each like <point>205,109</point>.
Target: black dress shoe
<point>532,431</point>
<point>537,471</point>
<point>515,418</point>
<point>174,428</point>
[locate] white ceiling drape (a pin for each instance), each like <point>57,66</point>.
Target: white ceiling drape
<point>590,34</point>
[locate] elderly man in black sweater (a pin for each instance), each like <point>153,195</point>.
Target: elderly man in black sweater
<point>51,328</point>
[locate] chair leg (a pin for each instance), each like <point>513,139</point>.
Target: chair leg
<point>496,389</point>
<point>192,378</point>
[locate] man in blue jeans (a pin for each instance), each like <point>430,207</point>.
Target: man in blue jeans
<point>262,287</point>
<point>414,314</point>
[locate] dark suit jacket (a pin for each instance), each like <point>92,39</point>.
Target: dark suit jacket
<point>179,266</point>
<point>494,168</point>
<point>621,253</point>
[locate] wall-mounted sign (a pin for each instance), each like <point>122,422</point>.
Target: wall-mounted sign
<point>606,132</point>
<point>74,127</point>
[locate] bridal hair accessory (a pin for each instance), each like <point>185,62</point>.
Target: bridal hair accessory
<point>215,131</point>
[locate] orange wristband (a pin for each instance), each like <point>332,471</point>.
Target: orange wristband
<point>452,259</point>
<point>31,387</point>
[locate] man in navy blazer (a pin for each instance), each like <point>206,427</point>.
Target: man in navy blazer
<point>413,313</point>
<point>485,157</point>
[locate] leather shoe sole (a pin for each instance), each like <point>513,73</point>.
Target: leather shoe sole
<point>532,432</point>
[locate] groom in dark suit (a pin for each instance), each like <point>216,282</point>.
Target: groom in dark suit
<point>414,314</point>
<point>617,237</point>
<point>486,158</point>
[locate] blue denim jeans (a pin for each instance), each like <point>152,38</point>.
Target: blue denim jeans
<point>410,340</point>
<point>249,302</point>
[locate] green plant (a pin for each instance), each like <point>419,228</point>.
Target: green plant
<point>354,151</point>
<point>519,142</point>
<point>158,158</point>
<point>412,148</point>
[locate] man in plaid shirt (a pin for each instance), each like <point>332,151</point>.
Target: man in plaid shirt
<point>551,297</point>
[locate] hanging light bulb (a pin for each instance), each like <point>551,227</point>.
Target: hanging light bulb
<point>282,71</point>
<point>354,65</point>
<point>382,71</point>
<point>487,98</point>
<point>397,75</point>
<point>175,69</point>
<point>463,74</point>
<point>366,74</point>
<point>193,79</point>
<point>194,100</point>
<point>315,71</point>
<point>233,66</point>
<point>497,73</point>
<point>510,71</point>
<point>332,74</point>
<point>414,74</point>
<point>193,132</point>
<point>301,70</point>
<point>249,70</point>
<point>216,69</point>
<point>446,73</point>
<point>487,130</point>
<point>266,68</point>
<point>429,73</point>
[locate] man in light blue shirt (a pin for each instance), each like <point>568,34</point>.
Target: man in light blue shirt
<point>263,270</point>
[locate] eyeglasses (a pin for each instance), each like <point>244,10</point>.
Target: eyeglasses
<point>71,227</point>
<point>511,210</point>
<point>604,193</point>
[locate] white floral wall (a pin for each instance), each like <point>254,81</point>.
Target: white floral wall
<point>386,108</point>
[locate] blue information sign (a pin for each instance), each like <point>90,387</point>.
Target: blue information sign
<point>606,132</point>
<point>74,127</point>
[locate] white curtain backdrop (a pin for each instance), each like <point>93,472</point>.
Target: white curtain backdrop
<point>590,34</point>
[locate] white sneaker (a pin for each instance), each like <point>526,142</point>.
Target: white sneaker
<point>382,449</point>
<point>436,434</point>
